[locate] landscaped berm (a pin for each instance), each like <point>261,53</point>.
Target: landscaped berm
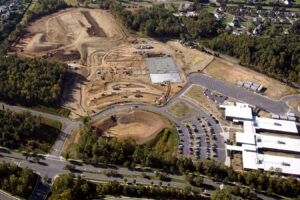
<point>140,125</point>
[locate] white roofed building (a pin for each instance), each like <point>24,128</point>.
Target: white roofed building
<point>238,111</point>
<point>275,125</point>
<point>285,165</point>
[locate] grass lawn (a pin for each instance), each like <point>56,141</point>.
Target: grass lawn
<point>236,162</point>
<point>180,109</point>
<point>173,7</point>
<point>165,143</point>
<point>72,2</point>
<point>63,112</point>
<point>211,9</point>
<point>227,20</point>
<point>195,94</point>
<point>69,147</point>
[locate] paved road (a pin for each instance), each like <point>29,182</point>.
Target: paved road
<point>53,165</point>
<point>5,196</point>
<point>276,107</point>
<point>52,168</point>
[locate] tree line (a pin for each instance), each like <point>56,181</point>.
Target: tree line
<point>25,131</point>
<point>18,181</point>
<point>98,150</point>
<point>13,29</point>
<point>30,81</point>
<point>155,21</point>
<point>69,186</point>
<point>277,57</point>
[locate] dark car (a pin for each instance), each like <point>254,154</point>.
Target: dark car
<point>49,180</point>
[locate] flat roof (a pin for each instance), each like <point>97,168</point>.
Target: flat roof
<point>241,111</point>
<point>275,125</point>
<point>249,147</point>
<point>245,138</point>
<point>279,143</point>
<point>161,65</point>
<point>160,78</point>
<point>287,165</point>
<point>234,148</point>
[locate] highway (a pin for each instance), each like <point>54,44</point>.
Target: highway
<point>53,164</point>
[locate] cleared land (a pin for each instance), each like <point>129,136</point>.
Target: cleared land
<point>294,103</point>
<point>231,73</point>
<point>108,71</point>
<point>180,109</point>
<point>141,125</point>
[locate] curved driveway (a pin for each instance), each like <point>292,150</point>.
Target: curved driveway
<point>53,163</point>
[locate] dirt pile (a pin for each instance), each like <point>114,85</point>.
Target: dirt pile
<point>138,124</point>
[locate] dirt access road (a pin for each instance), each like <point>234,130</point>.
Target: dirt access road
<point>108,71</point>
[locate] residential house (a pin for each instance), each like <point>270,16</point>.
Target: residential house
<point>228,28</point>
<point>218,16</point>
<point>237,32</point>
<point>185,7</point>
<point>3,9</point>
<point>257,20</point>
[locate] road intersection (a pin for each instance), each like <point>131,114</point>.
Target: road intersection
<point>53,164</point>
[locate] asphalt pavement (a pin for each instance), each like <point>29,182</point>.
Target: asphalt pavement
<point>276,107</point>
<point>53,165</point>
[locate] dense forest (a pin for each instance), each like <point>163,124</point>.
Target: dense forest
<point>155,21</point>
<point>277,57</point>
<point>43,7</point>
<point>18,181</point>
<point>203,26</point>
<point>69,187</point>
<point>31,81</point>
<point>99,150</point>
<point>24,131</point>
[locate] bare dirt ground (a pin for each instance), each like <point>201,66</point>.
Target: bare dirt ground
<point>138,124</point>
<point>294,103</point>
<point>231,73</point>
<point>108,71</point>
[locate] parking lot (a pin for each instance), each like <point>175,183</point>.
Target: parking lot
<point>200,138</point>
<point>276,107</point>
<point>218,99</point>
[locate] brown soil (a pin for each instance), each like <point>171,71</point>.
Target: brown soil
<point>138,124</point>
<point>96,43</point>
<point>231,73</point>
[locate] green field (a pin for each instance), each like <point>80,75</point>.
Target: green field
<point>227,20</point>
<point>210,9</point>
<point>180,109</point>
<point>164,144</point>
<point>63,112</point>
<point>72,2</point>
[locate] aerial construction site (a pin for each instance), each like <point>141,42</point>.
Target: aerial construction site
<point>108,65</point>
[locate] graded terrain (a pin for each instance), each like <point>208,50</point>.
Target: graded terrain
<point>138,124</point>
<point>107,68</point>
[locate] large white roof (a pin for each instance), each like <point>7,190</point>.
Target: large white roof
<point>240,111</point>
<point>160,78</point>
<point>245,138</point>
<point>275,125</point>
<point>287,165</point>
<point>278,143</point>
